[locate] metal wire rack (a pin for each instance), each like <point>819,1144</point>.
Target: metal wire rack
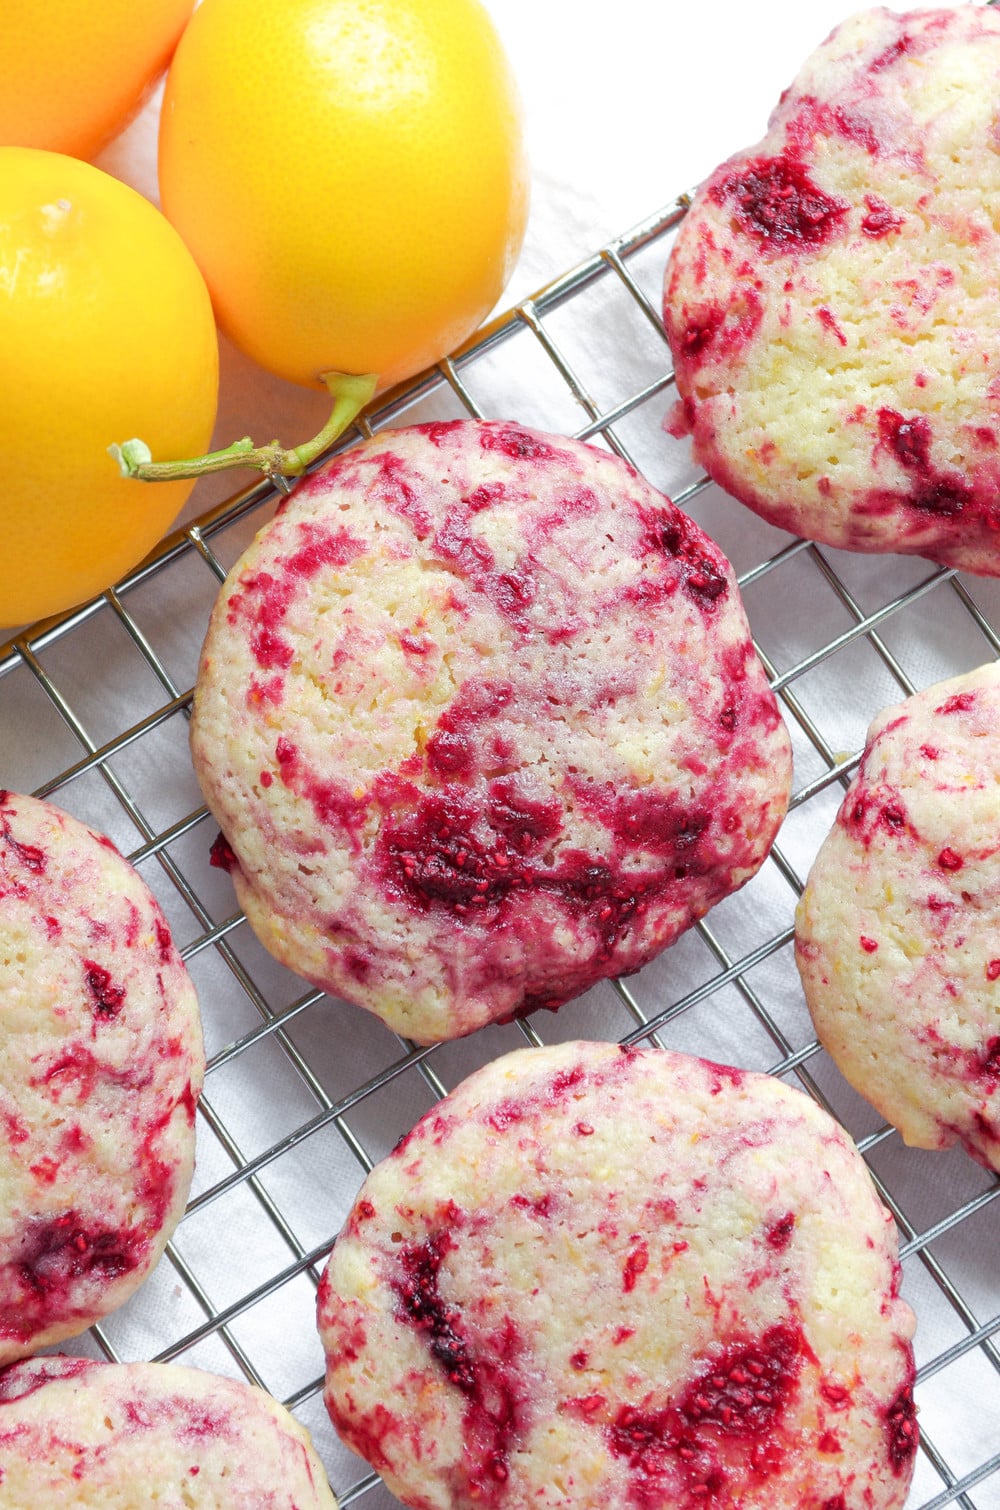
<point>303,1093</point>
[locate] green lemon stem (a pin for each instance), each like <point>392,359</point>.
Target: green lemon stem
<point>350,395</point>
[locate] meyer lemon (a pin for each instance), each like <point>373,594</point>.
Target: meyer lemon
<point>106,328</point>
<point>74,73</point>
<point>349,175</point>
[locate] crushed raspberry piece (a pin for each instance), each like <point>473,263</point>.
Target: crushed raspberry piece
<point>492,1408</point>
<point>779,1234</point>
<point>901,1429</point>
<point>828,321</point>
<point>29,855</point>
<point>635,1264</point>
<point>881,219</point>
<point>908,439</point>
<point>510,440</point>
<point>891,54</point>
<point>421,1302</point>
<point>108,997</point>
<point>59,1251</point>
<point>959,702</point>
<point>774,199</point>
<point>704,578</point>
<point>740,1396</point>
<point>748,1386</point>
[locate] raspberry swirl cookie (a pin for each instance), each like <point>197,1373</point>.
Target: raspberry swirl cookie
<point>830,300</point>
<point>481,721</point>
<point>898,929</point>
<point>111,1436</point>
<point>602,1278</point>
<point>101,1067</point>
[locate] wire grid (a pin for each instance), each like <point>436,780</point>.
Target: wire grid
<point>304,1094</point>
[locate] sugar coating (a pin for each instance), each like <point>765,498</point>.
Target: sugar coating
<point>102,1065</point>
<point>481,721</point>
<point>898,929</point>
<point>604,1279</point>
<point>830,301</point>
<point>114,1436</point>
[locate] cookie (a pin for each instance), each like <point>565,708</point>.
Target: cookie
<point>102,1065</point>
<point>830,299</point>
<point>75,1432</point>
<point>605,1278</point>
<point>898,928</point>
<point>481,721</point>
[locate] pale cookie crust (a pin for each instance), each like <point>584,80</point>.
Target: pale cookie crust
<point>595,1278</point>
<point>101,1067</point>
<point>481,720</point>
<point>120,1436</point>
<point>898,929</point>
<point>831,298</point>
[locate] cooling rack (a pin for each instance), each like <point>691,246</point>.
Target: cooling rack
<point>304,1093</point>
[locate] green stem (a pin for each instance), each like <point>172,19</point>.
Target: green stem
<point>350,395</point>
